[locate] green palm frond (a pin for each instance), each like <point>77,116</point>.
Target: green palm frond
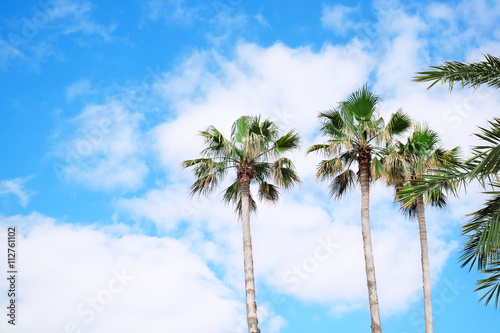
<point>205,184</point>
<point>488,156</point>
<point>362,104</point>
<point>377,168</point>
<point>452,178</point>
<point>239,130</point>
<point>268,192</point>
<point>263,171</point>
<point>323,149</point>
<point>327,169</point>
<point>216,144</point>
<point>265,128</point>
<point>232,193</point>
<point>483,232</point>
<point>208,172</point>
<point>398,123</point>
<point>287,142</point>
<point>436,198</point>
<point>342,182</point>
<point>336,124</point>
<point>284,173</point>
<point>206,166</point>
<point>467,74</point>
<point>370,130</point>
<point>491,283</point>
<point>232,196</point>
<point>409,211</point>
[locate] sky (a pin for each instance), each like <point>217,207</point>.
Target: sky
<point>101,101</point>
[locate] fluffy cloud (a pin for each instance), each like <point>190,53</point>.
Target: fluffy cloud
<point>103,151</point>
<point>310,248</point>
<point>337,18</point>
<point>290,86</point>
<point>86,278</point>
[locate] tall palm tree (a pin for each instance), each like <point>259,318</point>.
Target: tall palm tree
<point>483,230</point>
<point>256,152</point>
<point>404,163</point>
<point>354,129</point>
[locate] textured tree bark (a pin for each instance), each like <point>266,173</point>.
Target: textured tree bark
<point>248,259</point>
<point>426,276</point>
<point>364,169</point>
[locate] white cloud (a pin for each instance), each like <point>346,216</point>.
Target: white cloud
<point>16,187</point>
<point>104,151</point>
<point>78,88</point>
<point>288,85</point>
<point>101,283</point>
<point>309,247</point>
<point>291,86</point>
<point>337,18</point>
<point>480,13</point>
<point>167,208</point>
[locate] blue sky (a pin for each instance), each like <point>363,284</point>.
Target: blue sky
<point>101,101</point>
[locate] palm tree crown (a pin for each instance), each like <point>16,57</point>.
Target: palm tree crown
<point>405,163</point>
<point>356,133</point>
<point>255,150</point>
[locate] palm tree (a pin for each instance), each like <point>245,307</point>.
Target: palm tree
<point>256,151</point>
<point>404,163</point>
<point>353,130</point>
<point>468,74</point>
<point>483,230</point>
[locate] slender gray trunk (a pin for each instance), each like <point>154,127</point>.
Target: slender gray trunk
<point>367,246</point>
<point>426,276</point>
<point>248,259</point>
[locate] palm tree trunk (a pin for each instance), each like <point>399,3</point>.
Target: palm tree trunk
<point>367,246</point>
<point>248,259</point>
<point>425,264</point>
